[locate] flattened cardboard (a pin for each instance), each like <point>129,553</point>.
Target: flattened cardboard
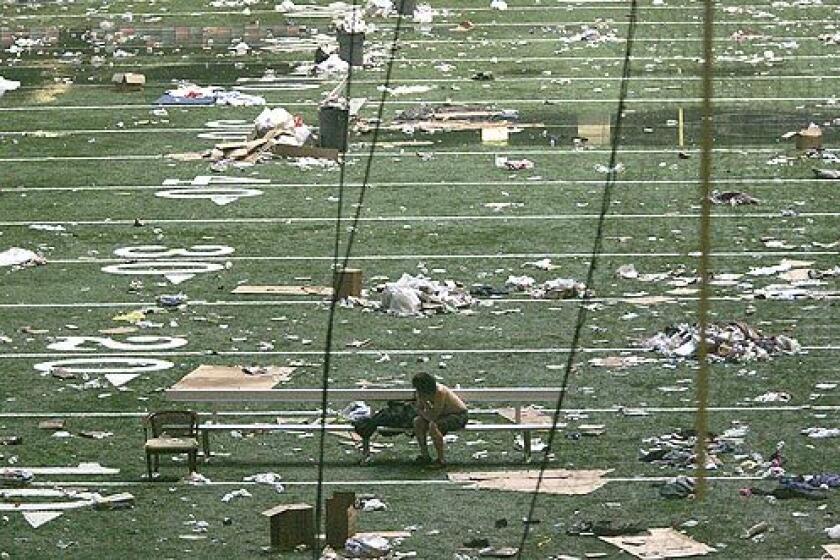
<point>555,481</point>
<point>832,550</point>
<point>660,544</point>
<point>227,377</point>
<point>284,290</point>
<point>529,415</point>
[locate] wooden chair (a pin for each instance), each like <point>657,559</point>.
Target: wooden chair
<point>173,432</point>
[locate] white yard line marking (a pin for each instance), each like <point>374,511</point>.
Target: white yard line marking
<point>500,216</point>
<point>612,410</point>
<point>446,153</point>
<point>754,182</point>
<point>376,353</point>
<point>372,483</point>
<point>269,258</point>
<point>403,102</point>
<point>317,302</point>
<point>457,79</point>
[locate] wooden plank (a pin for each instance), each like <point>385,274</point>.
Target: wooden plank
<point>284,290</point>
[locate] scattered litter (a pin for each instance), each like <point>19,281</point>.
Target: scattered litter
<point>367,546</point>
<point>736,342</point>
<point>732,198</point>
<point>7,85</point>
<point>241,493</point>
<point>502,162</point>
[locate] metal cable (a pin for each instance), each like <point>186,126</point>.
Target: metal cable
<point>338,267</point>
<point>593,263</point>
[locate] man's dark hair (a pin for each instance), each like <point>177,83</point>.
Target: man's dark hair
<point>424,383</point>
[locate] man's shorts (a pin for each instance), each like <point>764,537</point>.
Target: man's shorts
<point>452,422</point>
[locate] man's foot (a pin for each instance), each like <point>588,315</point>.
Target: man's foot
<point>422,460</point>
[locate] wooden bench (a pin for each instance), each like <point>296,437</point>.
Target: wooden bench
<point>515,396</point>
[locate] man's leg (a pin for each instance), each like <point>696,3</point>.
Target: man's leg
<point>421,430</point>
<point>437,439</point>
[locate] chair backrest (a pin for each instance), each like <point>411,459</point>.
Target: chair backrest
<point>173,423</point>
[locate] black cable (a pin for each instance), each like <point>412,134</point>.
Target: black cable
<point>316,550</point>
<point>596,250</point>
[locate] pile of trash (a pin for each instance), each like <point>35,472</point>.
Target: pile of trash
<point>17,257</point>
<point>732,198</point>
<point>677,449</point>
<point>191,94</point>
<point>272,127</point>
<point>809,486</point>
<point>733,342</point>
<point>7,85</point>
<point>414,295</point>
<point>559,288</point>
<point>600,33</point>
<point>454,117</point>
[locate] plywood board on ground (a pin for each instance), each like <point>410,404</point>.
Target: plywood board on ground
<point>284,290</point>
<point>232,377</point>
<point>555,481</point>
<point>659,544</point>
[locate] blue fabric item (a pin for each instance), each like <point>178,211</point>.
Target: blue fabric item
<point>167,99</point>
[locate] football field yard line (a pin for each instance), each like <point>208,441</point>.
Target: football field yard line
<point>754,182</point>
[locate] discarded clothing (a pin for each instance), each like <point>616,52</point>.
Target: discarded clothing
<point>397,415</point>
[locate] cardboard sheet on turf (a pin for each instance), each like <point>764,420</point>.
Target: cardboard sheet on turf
<point>226,377</point>
<point>529,415</point>
<point>556,481</point>
<point>659,544</point>
<point>832,551</point>
<point>284,290</point>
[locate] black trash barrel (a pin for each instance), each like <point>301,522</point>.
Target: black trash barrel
<point>351,47</point>
<point>332,127</point>
<point>406,7</point>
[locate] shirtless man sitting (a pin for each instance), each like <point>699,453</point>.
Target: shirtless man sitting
<point>439,411</point>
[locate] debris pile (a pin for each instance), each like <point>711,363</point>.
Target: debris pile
<point>7,85</point>
<point>446,118</point>
<point>190,94</point>
<point>273,129</point>
<point>677,449</point>
<point>559,288</point>
<point>413,295</point>
<point>732,198</point>
<point>733,342</point>
<point>15,256</point>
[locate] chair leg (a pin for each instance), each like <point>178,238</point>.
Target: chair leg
<point>526,440</point>
<point>157,463</point>
<point>149,464</point>
<point>205,444</point>
<point>192,459</point>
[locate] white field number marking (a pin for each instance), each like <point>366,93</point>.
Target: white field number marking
<point>115,364</point>
<point>131,343</point>
<point>220,190</point>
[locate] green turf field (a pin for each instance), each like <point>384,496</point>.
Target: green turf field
<point>78,154</point>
